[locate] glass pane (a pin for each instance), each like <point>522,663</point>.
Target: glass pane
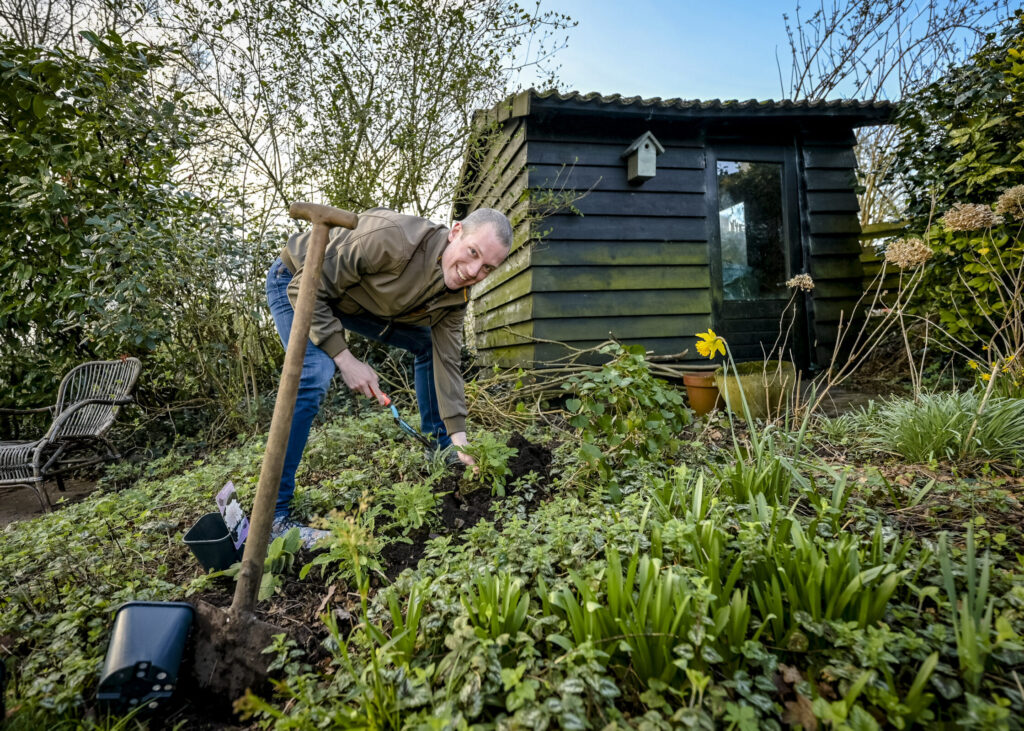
<point>750,222</point>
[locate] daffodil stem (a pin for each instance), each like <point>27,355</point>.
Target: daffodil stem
<point>984,400</point>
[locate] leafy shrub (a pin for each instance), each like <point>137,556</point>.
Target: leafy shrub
<point>959,141</point>
<point>625,414</point>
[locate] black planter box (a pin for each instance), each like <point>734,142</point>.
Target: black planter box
<point>210,541</point>
<point>144,654</point>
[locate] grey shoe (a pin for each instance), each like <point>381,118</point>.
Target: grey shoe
<point>310,536</point>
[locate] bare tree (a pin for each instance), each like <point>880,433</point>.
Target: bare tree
<point>57,23</point>
<point>360,103</point>
<point>870,49</point>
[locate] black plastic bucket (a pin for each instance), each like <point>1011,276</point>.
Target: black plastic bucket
<point>144,654</point>
<point>211,542</point>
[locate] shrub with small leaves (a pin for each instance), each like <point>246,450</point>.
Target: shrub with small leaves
<point>624,413</point>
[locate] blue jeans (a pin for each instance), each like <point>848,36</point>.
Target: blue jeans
<point>318,370</point>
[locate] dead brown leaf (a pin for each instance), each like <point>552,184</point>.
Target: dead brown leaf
<point>790,674</point>
<point>800,712</point>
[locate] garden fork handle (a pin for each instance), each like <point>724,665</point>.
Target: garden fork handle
<point>322,218</point>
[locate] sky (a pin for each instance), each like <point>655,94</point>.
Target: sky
<point>693,49</point>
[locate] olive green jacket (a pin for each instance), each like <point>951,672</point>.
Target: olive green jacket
<point>389,266</point>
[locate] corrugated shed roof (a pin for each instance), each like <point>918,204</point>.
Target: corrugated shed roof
<point>853,109</point>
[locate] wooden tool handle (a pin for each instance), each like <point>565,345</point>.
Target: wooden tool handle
<point>316,213</point>
<point>247,588</point>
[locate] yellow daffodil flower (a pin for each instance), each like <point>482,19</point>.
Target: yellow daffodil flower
<point>986,377</point>
<point>709,344</point>
<point>973,364</point>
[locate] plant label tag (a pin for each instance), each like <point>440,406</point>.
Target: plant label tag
<point>234,516</point>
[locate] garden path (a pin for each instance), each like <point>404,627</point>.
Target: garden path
<point>21,503</point>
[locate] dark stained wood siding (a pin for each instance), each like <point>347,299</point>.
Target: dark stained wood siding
<point>629,262</point>
<point>632,262</point>
<point>829,219</point>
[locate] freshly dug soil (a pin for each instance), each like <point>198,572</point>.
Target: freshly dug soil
<point>298,605</point>
<point>461,511</point>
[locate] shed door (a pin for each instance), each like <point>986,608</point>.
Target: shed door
<point>755,248</point>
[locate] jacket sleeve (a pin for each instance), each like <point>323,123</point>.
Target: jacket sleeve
<point>349,256</point>
<point>446,337</point>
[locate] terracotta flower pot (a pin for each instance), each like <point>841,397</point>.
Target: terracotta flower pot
<point>702,392</point>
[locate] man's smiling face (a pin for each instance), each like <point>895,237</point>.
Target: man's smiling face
<point>470,255</point>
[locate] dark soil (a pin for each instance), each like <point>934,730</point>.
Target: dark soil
<point>460,511</point>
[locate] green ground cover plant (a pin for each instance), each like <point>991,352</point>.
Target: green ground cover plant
<point>797,589</point>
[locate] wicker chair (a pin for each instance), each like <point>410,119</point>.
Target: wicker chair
<point>87,405</point>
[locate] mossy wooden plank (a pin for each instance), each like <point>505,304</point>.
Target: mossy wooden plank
<point>642,203</point>
<point>506,313</point>
<point>514,334</point>
<point>491,163</point>
<point>829,157</point>
<point>517,262</point>
<point>581,178</point>
<point>597,278</point>
<point>512,196</point>
<point>832,201</point>
<point>552,252</point>
<point>655,326</point>
<point>540,354</point>
<point>652,302</point>
<point>609,154</point>
<point>834,223</point>
<point>498,180</point>
<point>484,147</point>
<point>836,267</point>
<point>626,228</point>
<point>835,245</point>
<point>837,180</point>
<point>516,286</point>
<point>508,357</point>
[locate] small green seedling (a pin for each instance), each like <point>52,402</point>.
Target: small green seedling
<point>492,456</point>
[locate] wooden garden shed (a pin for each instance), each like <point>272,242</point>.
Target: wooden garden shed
<point>667,217</point>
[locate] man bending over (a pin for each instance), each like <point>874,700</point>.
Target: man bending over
<point>400,280</point>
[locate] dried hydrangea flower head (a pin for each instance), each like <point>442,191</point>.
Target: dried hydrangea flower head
<point>801,281</point>
<point>970,217</point>
<point>907,253</point>
<point>1011,202</point>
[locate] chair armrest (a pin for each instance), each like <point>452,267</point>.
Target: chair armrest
<point>70,411</point>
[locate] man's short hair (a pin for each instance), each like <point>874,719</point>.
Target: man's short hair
<point>495,219</point>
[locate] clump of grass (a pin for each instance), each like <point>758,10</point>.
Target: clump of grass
<point>951,426</point>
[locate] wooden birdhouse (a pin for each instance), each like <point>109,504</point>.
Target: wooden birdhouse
<point>642,158</point>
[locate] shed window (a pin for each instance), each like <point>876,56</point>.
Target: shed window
<point>750,222</point>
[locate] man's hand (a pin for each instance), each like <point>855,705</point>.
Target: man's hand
<point>459,440</point>
<point>358,376</point>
